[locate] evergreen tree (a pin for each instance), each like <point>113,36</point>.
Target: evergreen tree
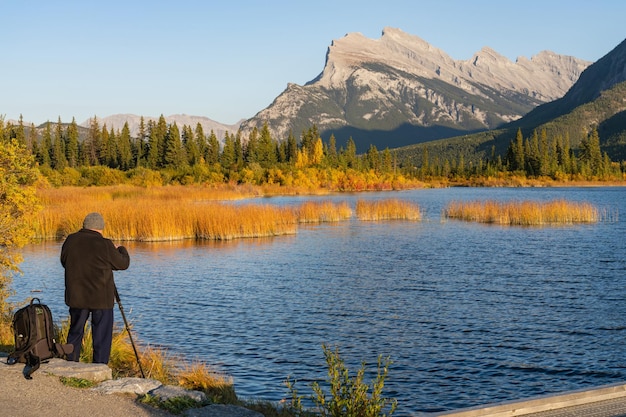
<point>331,152</point>
<point>92,144</point>
<point>33,142</point>
<point>20,134</point>
<point>239,151</point>
<point>140,150</point>
<point>387,162</point>
<point>58,160</point>
<point>266,150</point>
<point>227,158</point>
<point>213,149</point>
<point>175,157</point>
<point>292,147</point>
<point>350,154</point>
<point>124,148</point>
<point>590,153</point>
<point>201,141</point>
<point>71,144</point>
<point>191,147</point>
<point>373,159</point>
<point>251,150</point>
<point>45,150</point>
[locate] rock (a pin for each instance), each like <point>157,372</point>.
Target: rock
<point>166,392</point>
<point>95,372</point>
<point>138,386</point>
<point>221,410</point>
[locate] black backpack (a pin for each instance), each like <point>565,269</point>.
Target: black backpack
<point>35,342</point>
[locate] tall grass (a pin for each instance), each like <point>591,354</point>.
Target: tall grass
<point>158,214</point>
<point>177,213</point>
<point>156,363</point>
<point>391,209</point>
<point>523,213</point>
<point>326,211</point>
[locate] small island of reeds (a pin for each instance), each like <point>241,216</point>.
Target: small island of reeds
<point>523,213</point>
<point>390,209</point>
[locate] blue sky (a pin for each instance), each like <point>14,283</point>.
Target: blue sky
<point>227,60</point>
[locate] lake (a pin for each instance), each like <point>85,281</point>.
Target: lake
<point>469,313</point>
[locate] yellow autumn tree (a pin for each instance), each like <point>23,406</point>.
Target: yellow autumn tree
<point>18,206</point>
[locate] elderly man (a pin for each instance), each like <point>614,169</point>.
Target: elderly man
<point>89,260</point>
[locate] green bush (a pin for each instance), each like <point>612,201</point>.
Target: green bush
<point>348,396</point>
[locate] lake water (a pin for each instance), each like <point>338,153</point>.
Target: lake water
<point>469,314</point>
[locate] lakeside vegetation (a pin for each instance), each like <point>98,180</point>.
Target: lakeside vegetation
<point>188,212</point>
<point>523,213</point>
<point>164,154</point>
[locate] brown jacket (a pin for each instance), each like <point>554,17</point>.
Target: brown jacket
<point>89,260</point>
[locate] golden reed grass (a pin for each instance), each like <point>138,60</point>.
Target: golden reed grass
<point>391,209</point>
<point>523,213</point>
<point>325,211</point>
<point>173,213</point>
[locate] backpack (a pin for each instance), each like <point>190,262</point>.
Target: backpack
<point>33,329</point>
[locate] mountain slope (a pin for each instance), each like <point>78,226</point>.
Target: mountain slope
<point>399,89</point>
<point>596,100</point>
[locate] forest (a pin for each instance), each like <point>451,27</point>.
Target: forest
<point>162,153</point>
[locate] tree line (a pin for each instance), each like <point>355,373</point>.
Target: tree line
<point>188,154</point>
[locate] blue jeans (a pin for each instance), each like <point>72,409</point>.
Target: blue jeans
<point>101,333</point>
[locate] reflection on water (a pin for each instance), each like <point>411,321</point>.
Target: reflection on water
<point>469,314</point>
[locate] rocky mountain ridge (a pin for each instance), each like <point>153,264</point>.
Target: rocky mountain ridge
<point>399,89</point>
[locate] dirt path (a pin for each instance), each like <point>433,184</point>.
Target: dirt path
<point>46,395</point>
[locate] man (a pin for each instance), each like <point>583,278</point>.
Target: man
<point>89,260</point>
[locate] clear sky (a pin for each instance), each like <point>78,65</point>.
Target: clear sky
<point>227,60</point>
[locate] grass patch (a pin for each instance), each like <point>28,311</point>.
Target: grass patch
<point>325,211</point>
<point>391,209</point>
<point>199,377</point>
<point>523,213</point>
<point>175,405</point>
<point>77,382</point>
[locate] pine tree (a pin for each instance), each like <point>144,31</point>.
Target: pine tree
<point>33,142</point>
<point>46,147</point>
<point>191,147</point>
<point>227,158</point>
<point>20,134</point>
<point>350,154</point>
<point>331,152</point>
<point>266,151</point>
<point>213,149</point>
<point>71,144</point>
<point>292,147</point>
<point>175,157</point>
<point>251,150</point>
<point>124,148</point>
<point>201,141</point>
<point>58,160</point>
<point>92,144</point>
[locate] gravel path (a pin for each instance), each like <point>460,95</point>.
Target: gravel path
<point>46,395</point>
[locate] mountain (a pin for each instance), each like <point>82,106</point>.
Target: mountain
<point>117,122</point>
<point>399,90</point>
<point>597,100</point>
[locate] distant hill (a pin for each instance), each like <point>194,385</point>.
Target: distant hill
<point>117,122</point>
<point>400,90</point>
<point>596,100</point>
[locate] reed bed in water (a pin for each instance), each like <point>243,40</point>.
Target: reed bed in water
<point>325,211</point>
<point>391,209</point>
<point>172,213</point>
<point>523,213</point>
<point>150,220</point>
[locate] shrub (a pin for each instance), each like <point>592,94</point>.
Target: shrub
<point>349,396</point>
